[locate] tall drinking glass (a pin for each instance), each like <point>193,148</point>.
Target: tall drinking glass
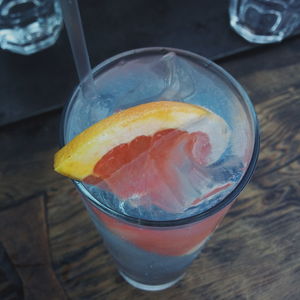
<point>152,247</point>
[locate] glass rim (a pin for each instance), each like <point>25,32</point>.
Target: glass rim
<point>224,76</point>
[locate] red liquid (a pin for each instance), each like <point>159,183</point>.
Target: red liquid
<point>173,241</point>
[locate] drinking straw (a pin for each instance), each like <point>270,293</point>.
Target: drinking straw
<point>76,36</point>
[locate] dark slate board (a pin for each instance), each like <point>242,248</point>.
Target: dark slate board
<point>30,85</point>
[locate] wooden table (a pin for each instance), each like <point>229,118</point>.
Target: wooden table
<point>49,249</point>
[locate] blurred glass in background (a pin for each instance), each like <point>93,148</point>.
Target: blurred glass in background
<point>28,26</point>
<point>264,21</point>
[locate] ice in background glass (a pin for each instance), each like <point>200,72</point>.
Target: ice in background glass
<point>153,246</point>
<point>28,26</point>
<point>264,21</point>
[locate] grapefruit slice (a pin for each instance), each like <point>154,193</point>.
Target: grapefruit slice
<point>149,154</point>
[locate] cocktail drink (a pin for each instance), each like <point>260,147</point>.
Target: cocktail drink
<point>174,141</point>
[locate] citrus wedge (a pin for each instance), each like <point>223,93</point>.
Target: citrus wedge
<point>79,157</point>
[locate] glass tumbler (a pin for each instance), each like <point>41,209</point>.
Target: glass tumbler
<point>29,26</point>
<point>154,254</point>
<point>264,21</point>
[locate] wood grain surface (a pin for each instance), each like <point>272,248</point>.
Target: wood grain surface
<point>254,254</point>
<point>24,236</point>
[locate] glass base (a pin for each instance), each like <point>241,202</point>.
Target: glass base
<point>148,287</point>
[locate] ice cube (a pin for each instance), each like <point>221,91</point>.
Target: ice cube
<point>179,82</point>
